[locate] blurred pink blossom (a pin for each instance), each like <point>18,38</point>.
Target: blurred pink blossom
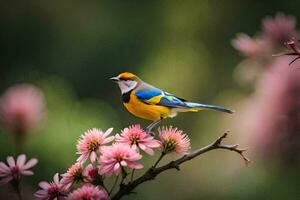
<point>279,29</point>
<point>115,157</point>
<point>73,175</point>
<point>273,113</point>
<point>136,137</point>
<point>89,144</point>
<point>14,169</point>
<point>174,141</point>
<point>21,108</point>
<point>51,190</point>
<point>249,47</point>
<point>88,192</point>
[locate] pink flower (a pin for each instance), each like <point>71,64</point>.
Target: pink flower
<point>90,173</point>
<point>73,175</point>
<point>174,141</point>
<point>89,144</point>
<point>271,118</point>
<point>249,47</point>
<point>13,170</point>
<point>21,108</point>
<point>51,190</point>
<point>137,137</point>
<point>88,192</point>
<point>115,157</point>
<point>279,29</point>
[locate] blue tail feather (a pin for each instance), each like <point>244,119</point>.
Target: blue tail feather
<point>206,106</point>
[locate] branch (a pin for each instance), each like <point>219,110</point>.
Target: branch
<point>154,171</point>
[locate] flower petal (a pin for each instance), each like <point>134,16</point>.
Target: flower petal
<point>30,163</point>
<point>149,151</point>
<point>10,161</point>
<point>108,131</point>
<point>44,185</point>
<point>93,156</point>
<point>26,172</point>
<point>4,168</point>
<point>142,146</point>
<point>21,160</point>
<point>109,139</point>
<point>135,165</point>
<point>117,168</point>
<point>56,178</point>
<point>5,180</point>
<point>123,163</point>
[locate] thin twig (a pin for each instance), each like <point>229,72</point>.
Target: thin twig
<point>159,159</point>
<point>124,175</point>
<point>114,185</point>
<point>132,175</point>
<point>154,171</point>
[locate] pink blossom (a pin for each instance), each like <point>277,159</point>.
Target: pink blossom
<point>250,47</point>
<point>21,108</point>
<point>90,143</point>
<point>90,173</point>
<point>88,192</point>
<point>115,157</point>
<point>51,190</point>
<point>279,29</point>
<point>138,138</point>
<point>174,141</point>
<point>73,175</point>
<point>14,169</point>
<point>271,116</point>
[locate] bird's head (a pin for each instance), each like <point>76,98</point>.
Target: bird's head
<point>126,81</point>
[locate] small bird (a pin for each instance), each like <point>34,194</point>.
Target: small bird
<point>148,102</point>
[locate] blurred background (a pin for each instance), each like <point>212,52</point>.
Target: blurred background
<point>70,49</point>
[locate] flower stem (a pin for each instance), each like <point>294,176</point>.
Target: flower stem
<point>19,142</point>
<point>159,159</point>
<point>124,175</point>
<point>132,175</point>
<point>17,187</point>
<point>114,185</point>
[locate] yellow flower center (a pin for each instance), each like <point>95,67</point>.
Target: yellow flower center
<point>169,145</point>
<point>93,144</point>
<point>134,139</point>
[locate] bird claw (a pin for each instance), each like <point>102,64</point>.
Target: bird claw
<point>149,131</point>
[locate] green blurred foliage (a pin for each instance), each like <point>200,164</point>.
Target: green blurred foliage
<point>71,48</point>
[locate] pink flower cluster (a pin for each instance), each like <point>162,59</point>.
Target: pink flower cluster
<point>98,159</point>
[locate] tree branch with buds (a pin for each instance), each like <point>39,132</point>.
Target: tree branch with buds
<point>150,174</point>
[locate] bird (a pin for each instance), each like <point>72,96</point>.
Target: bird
<point>148,102</point>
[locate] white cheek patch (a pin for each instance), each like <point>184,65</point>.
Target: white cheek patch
<point>126,86</point>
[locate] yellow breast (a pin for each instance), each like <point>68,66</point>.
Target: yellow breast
<point>146,111</point>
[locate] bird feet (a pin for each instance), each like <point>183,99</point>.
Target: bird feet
<point>149,131</point>
<point>151,126</point>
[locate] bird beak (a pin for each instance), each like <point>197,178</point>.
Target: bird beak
<point>115,79</point>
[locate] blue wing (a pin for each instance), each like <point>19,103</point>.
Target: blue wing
<point>159,97</point>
